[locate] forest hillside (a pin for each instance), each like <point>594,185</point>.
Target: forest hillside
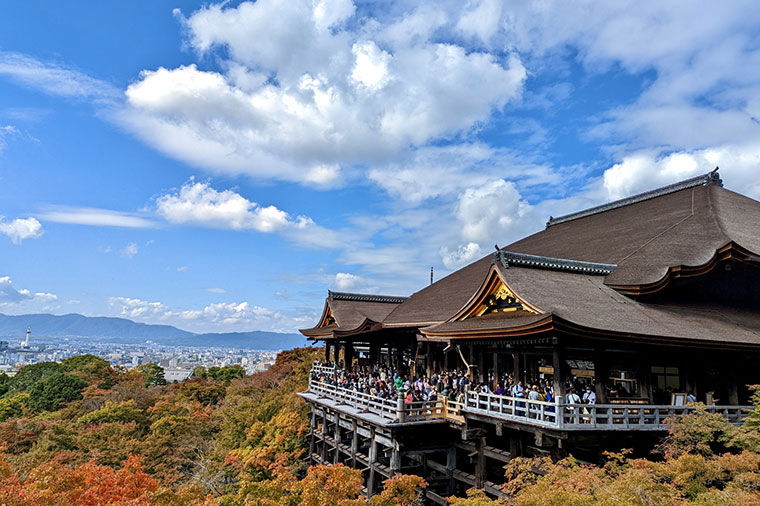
<point>81,433</point>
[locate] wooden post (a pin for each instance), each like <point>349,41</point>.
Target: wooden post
<point>323,431</point>
<point>482,376</point>
<point>496,372</point>
<point>348,355</point>
<point>644,372</point>
<point>733,391</point>
<point>601,374</point>
<point>516,374</point>
<point>558,362</point>
<point>470,360</point>
<point>451,465</point>
<point>374,354</point>
<point>336,438</point>
<point>327,351</point>
<point>354,443</point>
<point>395,459</point>
<point>429,359</point>
<point>400,359</point>
<point>313,426</point>
<point>372,462</point>
<point>480,463</point>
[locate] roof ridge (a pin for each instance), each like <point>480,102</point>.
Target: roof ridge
<point>710,178</point>
<point>365,297</point>
<point>507,258</point>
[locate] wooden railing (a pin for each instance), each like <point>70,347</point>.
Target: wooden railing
<point>521,410</point>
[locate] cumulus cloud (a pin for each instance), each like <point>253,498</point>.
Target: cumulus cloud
<point>302,87</point>
<point>645,170</point>
<point>492,212</point>
<point>217,317</point>
<point>197,203</point>
<point>346,281</point>
<point>21,228</point>
<point>461,256</point>
<point>9,295</point>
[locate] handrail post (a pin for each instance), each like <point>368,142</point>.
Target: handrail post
<point>400,411</point>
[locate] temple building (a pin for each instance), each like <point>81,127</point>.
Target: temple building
<point>650,302</point>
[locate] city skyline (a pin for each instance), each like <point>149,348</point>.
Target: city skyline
<point>218,167</point>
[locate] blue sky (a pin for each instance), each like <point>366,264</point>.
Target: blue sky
<point>218,167</point>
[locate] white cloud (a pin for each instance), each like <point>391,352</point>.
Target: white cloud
<point>295,94</point>
<point>494,212</point>
<point>199,204</point>
<point>217,317</point>
<point>130,250</point>
<point>183,268</point>
<point>54,79</point>
<point>461,256</point>
<point>644,170</point>
<point>6,131</point>
<point>95,217</point>
<point>215,290</point>
<point>9,295</point>
<point>346,281</point>
<point>21,228</point>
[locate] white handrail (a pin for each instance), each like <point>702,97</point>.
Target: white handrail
<point>534,412</point>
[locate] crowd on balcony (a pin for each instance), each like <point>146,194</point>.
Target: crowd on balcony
<point>386,383</point>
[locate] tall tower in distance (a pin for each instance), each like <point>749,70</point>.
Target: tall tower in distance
<point>26,341</point>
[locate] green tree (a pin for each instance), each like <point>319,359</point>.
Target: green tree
<point>51,392</point>
<point>12,407</point>
<point>153,374</point>
<point>31,374</point>
<point>5,383</point>
<point>226,373</point>
<point>92,368</point>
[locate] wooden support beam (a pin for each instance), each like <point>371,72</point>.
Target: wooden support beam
<point>733,390</point>
<point>395,459</point>
<point>516,373</point>
<point>336,457</point>
<point>480,463</point>
<point>496,371</point>
<point>451,465</point>
<point>323,432</point>
<point>558,363</point>
<point>372,464</point>
<point>354,443</point>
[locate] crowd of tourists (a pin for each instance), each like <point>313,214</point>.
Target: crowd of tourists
<point>384,382</point>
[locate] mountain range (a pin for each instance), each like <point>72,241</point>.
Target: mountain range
<point>120,330</point>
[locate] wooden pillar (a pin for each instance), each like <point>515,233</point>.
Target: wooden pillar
<point>601,375</point>
<point>733,391</point>
<point>336,438</point>
<point>348,355</point>
<point>644,372</point>
<point>429,369</point>
<point>372,462</point>
<point>496,371</point>
<point>451,465</point>
<point>400,359</point>
<point>327,351</point>
<point>354,443</point>
<point>482,374</point>
<point>395,463</point>
<point>374,354</point>
<point>313,427</point>
<point>480,463</point>
<point>323,432</point>
<point>470,361</point>
<point>516,373</point>
<point>558,364</point>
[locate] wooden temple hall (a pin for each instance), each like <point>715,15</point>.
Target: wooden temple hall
<point>651,301</point>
